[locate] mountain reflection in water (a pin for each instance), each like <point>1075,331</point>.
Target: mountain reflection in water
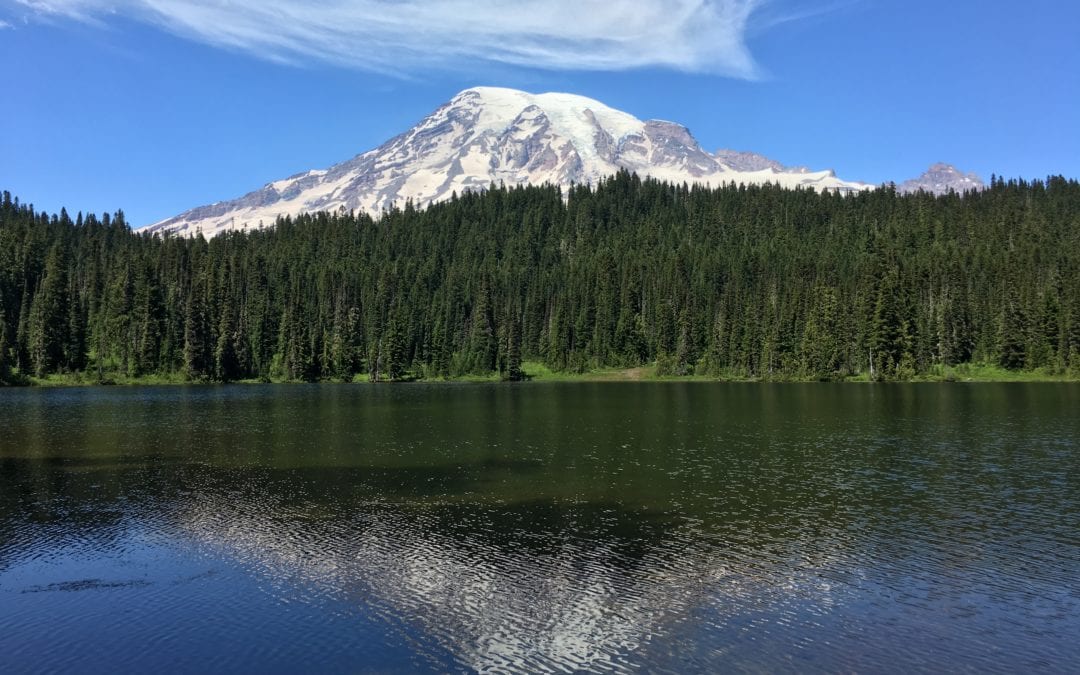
<point>558,528</point>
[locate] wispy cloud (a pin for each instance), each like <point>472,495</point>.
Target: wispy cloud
<point>411,36</point>
<point>773,14</point>
<point>5,24</point>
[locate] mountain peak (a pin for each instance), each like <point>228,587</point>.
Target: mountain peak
<point>499,108</point>
<point>942,178</point>
<point>486,135</point>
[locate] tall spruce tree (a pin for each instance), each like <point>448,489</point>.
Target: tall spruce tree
<point>47,332</point>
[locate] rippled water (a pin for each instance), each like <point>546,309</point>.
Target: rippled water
<point>541,528</point>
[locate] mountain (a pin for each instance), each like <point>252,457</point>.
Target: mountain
<point>491,135</point>
<point>942,178</point>
<point>751,161</point>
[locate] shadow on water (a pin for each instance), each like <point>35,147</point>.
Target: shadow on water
<point>85,585</point>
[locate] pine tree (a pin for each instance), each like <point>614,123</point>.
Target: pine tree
<point>1072,336</point>
<point>226,363</point>
<point>1012,341</point>
<point>75,346</point>
<point>440,347</point>
<point>394,349</point>
<point>196,339</point>
<point>888,335</point>
<point>820,346</point>
<point>5,364</point>
<point>513,358</point>
<point>48,317</point>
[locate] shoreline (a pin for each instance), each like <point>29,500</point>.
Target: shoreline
<point>536,372</point>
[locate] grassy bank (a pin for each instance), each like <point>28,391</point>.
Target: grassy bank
<point>962,373</point>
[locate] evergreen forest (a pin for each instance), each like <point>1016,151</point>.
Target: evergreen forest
<point>740,282</point>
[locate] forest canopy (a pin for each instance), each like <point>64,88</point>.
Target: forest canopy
<point>752,282</point>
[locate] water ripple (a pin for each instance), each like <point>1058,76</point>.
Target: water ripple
<point>738,529</point>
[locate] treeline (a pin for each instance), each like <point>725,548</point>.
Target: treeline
<point>748,282</point>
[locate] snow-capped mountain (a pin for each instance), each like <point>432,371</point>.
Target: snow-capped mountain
<point>942,178</point>
<point>487,135</point>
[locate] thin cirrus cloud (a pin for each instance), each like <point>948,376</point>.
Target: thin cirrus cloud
<point>406,37</point>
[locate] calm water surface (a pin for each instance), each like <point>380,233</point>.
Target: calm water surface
<point>568,527</point>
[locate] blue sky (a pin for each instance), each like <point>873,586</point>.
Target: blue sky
<point>156,106</point>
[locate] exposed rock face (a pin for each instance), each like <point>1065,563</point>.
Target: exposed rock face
<point>941,179</point>
<point>488,135</point>
<point>751,161</point>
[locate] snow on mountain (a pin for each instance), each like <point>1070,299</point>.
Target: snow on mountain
<point>942,178</point>
<point>491,135</point>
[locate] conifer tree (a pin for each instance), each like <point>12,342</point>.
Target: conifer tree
<point>5,364</point>
<point>196,339</point>
<point>513,357</point>
<point>48,317</point>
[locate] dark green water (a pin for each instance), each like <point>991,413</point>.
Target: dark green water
<point>567,527</point>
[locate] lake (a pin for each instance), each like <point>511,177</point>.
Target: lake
<point>602,527</point>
